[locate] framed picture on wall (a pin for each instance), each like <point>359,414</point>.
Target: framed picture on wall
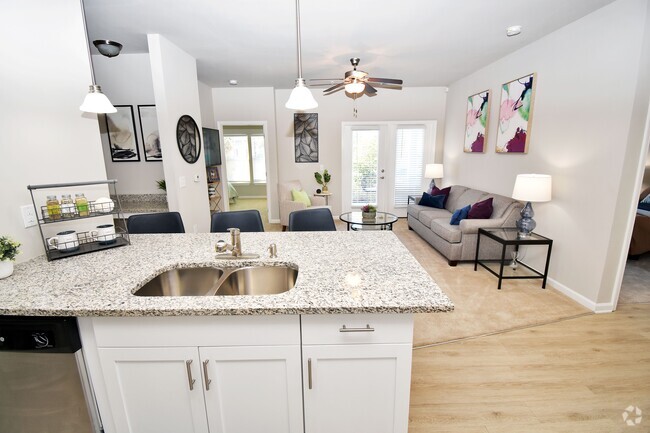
<point>305,135</point>
<point>149,133</point>
<point>120,127</point>
<point>516,115</point>
<point>476,122</point>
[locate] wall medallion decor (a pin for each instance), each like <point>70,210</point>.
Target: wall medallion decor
<point>149,132</point>
<point>188,137</point>
<point>516,115</point>
<point>305,135</point>
<point>120,127</point>
<point>476,122</point>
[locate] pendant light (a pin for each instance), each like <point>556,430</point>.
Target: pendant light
<point>95,101</point>
<point>301,98</point>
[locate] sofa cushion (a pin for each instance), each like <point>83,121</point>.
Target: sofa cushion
<point>459,215</point>
<point>454,193</point>
<point>415,209</point>
<point>481,210</point>
<point>470,197</point>
<point>500,204</point>
<point>437,201</point>
<point>431,214</point>
<point>445,230</point>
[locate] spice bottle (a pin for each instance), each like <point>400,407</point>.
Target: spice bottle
<point>53,207</point>
<point>81,203</point>
<point>67,206</point>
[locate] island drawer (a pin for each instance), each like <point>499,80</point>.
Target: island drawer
<point>357,328</point>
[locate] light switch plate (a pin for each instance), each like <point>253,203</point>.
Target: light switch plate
<point>181,182</point>
<point>29,215</point>
<point>197,177</point>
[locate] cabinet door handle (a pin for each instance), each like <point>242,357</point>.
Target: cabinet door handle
<point>188,366</point>
<point>205,375</point>
<point>309,372</point>
<point>366,329</point>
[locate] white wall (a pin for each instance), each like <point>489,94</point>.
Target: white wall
<point>207,108</point>
<point>256,104</point>
<point>586,82</point>
<point>176,91</point>
<point>44,137</point>
<point>410,103</point>
<point>126,80</point>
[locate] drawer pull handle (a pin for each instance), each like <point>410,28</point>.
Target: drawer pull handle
<point>309,372</point>
<point>208,381</point>
<point>366,329</point>
<point>190,380</point>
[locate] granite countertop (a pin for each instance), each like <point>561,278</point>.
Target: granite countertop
<point>338,272</point>
<point>143,203</point>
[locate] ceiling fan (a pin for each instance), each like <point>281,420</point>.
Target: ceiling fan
<point>357,82</point>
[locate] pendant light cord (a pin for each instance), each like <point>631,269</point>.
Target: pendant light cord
<point>90,57</point>
<point>298,36</point>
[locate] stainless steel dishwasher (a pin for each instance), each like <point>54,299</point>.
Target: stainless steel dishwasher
<point>43,381</point>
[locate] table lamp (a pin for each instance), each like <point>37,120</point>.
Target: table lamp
<point>433,172</point>
<point>530,188</point>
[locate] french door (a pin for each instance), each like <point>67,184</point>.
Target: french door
<point>383,163</point>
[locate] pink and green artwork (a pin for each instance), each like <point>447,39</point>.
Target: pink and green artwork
<point>478,110</point>
<point>516,115</point>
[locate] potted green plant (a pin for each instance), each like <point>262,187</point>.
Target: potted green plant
<point>323,179</point>
<point>369,211</point>
<point>8,252</point>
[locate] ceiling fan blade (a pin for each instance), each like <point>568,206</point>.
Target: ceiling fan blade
<point>385,80</point>
<point>324,79</point>
<point>333,88</point>
<point>323,84</point>
<point>370,90</point>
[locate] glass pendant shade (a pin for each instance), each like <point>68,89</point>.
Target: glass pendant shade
<point>108,48</point>
<point>97,102</point>
<point>301,98</point>
<point>355,87</point>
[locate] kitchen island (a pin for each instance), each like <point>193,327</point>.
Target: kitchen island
<point>331,354</point>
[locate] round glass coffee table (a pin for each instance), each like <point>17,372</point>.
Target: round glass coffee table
<point>355,221</point>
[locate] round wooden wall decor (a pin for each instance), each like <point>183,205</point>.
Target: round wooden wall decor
<point>188,138</point>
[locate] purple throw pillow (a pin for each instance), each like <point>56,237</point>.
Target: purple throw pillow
<point>444,191</point>
<point>481,210</point>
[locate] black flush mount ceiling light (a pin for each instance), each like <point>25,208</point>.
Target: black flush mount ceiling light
<point>108,48</point>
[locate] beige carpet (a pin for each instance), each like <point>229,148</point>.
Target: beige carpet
<point>480,308</point>
<point>636,281</point>
<point>243,203</point>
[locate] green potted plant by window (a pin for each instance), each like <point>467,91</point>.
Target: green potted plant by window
<point>369,212</point>
<point>323,179</point>
<point>8,252</point>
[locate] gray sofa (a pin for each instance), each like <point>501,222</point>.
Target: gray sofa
<point>458,243</point>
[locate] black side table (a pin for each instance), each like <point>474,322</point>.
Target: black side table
<point>508,236</point>
<point>412,197</point>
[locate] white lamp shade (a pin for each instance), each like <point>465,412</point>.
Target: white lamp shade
<point>532,187</point>
<point>97,102</point>
<point>433,171</point>
<point>301,98</point>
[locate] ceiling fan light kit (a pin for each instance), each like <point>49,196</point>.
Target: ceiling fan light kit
<point>108,48</point>
<point>300,98</point>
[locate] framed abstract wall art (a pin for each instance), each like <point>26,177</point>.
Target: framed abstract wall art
<point>516,115</point>
<point>476,122</point>
<point>149,132</point>
<point>305,135</point>
<point>122,140</point>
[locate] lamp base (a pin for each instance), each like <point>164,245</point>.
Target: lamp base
<point>526,224</point>
<point>432,185</point>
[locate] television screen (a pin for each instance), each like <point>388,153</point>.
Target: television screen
<point>211,147</point>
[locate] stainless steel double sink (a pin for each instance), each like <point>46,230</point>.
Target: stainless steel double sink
<point>250,280</point>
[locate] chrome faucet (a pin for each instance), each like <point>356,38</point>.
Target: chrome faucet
<point>234,246</point>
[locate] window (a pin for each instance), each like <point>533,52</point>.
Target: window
<point>409,150</point>
<point>365,153</point>
<point>245,158</point>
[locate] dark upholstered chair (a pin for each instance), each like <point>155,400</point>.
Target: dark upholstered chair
<point>244,220</point>
<point>163,222</point>
<point>312,220</point>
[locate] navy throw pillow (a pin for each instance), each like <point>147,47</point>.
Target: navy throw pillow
<point>444,191</point>
<point>459,215</point>
<point>481,210</point>
<point>437,201</point>
<point>644,206</point>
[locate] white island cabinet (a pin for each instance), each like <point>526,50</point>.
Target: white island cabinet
<point>237,374</point>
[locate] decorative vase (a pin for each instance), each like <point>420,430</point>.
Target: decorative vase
<point>325,188</point>
<point>6,268</point>
<point>368,215</point>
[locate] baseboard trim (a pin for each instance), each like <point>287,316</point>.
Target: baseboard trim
<point>274,221</point>
<point>604,307</point>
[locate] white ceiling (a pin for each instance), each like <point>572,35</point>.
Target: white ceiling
<point>424,42</point>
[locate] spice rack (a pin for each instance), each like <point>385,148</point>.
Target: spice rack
<point>84,242</point>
